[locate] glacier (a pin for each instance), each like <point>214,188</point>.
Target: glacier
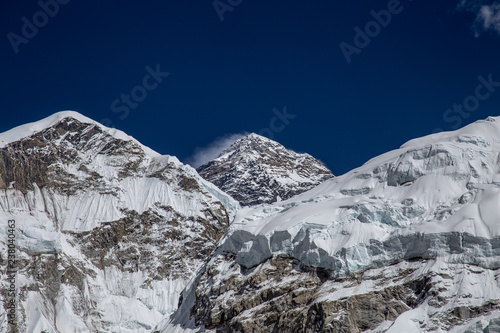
<point>114,237</point>
<point>420,221</point>
<point>108,232</point>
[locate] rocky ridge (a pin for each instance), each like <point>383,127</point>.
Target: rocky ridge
<point>255,170</point>
<point>408,242</point>
<point>108,232</point>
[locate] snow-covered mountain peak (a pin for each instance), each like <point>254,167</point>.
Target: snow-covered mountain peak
<point>487,130</point>
<point>408,242</point>
<point>251,147</point>
<point>256,138</point>
<point>73,118</point>
<point>108,232</point>
<point>256,170</point>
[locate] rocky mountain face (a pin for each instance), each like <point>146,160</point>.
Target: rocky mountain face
<point>110,236</point>
<point>408,242</point>
<point>107,232</point>
<point>255,170</point>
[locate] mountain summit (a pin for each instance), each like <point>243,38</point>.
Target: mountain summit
<point>255,170</point>
<point>107,231</point>
<point>408,242</point>
<point>111,236</point>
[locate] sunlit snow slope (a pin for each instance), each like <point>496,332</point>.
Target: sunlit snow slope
<point>408,242</point>
<point>108,232</point>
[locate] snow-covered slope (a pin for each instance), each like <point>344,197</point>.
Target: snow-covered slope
<point>408,242</point>
<point>108,232</point>
<point>256,170</point>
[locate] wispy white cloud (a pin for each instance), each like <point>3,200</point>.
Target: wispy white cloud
<point>470,5</point>
<point>204,154</point>
<point>490,17</point>
<point>487,14</point>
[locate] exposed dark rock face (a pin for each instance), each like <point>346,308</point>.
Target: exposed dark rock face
<point>108,232</point>
<point>39,159</point>
<point>255,170</point>
<point>407,242</point>
<point>161,242</point>
<point>282,296</point>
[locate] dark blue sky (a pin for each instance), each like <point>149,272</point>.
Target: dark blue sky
<point>228,76</point>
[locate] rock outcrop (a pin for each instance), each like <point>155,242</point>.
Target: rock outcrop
<point>108,232</point>
<point>255,170</point>
<point>408,242</point>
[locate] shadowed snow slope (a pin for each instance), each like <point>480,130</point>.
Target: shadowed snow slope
<point>108,232</point>
<point>408,242</point>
